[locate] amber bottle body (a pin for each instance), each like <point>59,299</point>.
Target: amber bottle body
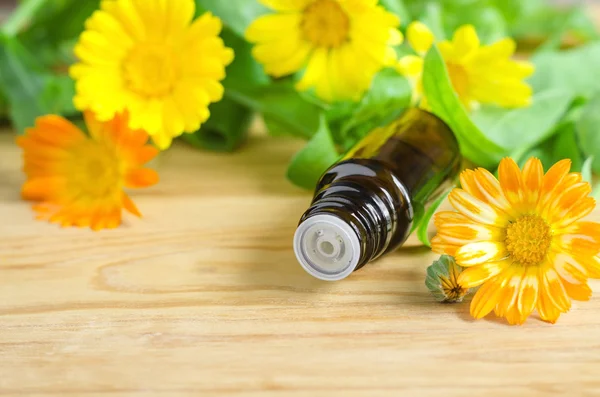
<point>364,206</point>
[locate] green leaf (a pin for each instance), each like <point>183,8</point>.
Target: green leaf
<point>57,95</point>
<point>21,84</point>
<point>515,10</point>
<point>274,128</point>
<point>588,131</point>
<point>58,20</point>
<point>586,170</point>
<point>3,106</point>
<point>31,91</point>
<point>244,71</point>
<point>523,127</point>
<point>397,7</point>
<point>282,104</point>
<point>225,130</point>
<point>54,29</point>
<point>542,152</point>
<point>278,102</point>
<point>433,18</point>
<point>488,21</point>
<point>309,164</point>
<point>553,23</point>
<point>565,147</point>
<point>596,192</point>
<point>423,223</point>
<point>236,14</point>
<point>571,71</point>
<point>444,103</point>
<point>22,16</point>
<point>389,95</point>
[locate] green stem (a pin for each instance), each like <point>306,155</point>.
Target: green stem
<point>21,16</point>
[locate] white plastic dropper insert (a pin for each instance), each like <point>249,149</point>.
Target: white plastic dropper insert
<point>327,247</point>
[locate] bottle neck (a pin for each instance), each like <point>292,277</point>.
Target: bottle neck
<point>376,207</point>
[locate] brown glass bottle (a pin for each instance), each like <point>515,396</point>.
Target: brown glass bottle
<point>365,204</point>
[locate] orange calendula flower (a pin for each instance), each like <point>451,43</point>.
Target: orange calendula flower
<point>522,239</point>
<point>78,180</point>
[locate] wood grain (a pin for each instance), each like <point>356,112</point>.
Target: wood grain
<point>203,297</point>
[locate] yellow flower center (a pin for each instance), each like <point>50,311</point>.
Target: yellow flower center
<point>528,240</point>
<point>94,171</point>
<point>325,23</point>
<point>459,78</point>
<point>151,70</point>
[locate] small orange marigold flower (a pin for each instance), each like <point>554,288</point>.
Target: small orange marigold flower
<point>78,180</point>
<point>522,239</point>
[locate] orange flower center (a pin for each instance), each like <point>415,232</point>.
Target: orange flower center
<point>151,70</point>
<point>325,24</point>
<point>528,240</point>
<point>459,78</point>
<point>94,171</point>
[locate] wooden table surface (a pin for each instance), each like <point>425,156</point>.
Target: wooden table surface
<point>203,297</point>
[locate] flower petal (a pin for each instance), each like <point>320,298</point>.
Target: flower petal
<point>469,184</point>
<point>485,299</point>
<point>490,188</point>
<point>551,180</point>
<point>439,246</point>
<point>511,181</point>
<point>578,292</point>
<point>142,177</point>
<point>475,209</point>
<point>420,37</point>
<point>465,40</point>
<point>480,252</point>
<point>272,27</point>
<point>581,238</point>
<point>510,281</point>
<point>593,267</point>
<point>555,290</point>
<point>566,200</point>
<point>533,174</point>
<point>285,5</point>
<point>129,205</point>
<point>42,189</point>
<point>579,210</point>
<point>317,66</point>
<point>569,269</point>
<point>528,293</point>
<point>410,66</point>
<point>442,217</point>
<point>476,275</point>
<point>462,233</point>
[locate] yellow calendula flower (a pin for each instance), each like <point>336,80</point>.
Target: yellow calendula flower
<point>148,58</point>
<point>78,180</point>
<point>522,239</point>
<point>480,74</point>
<point>342,43</point>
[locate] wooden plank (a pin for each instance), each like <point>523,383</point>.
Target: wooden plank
<point>203,297</point>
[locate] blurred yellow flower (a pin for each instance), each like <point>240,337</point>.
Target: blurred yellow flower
<point>480,74</point>
<point>342,43</point>
<point>78,180</point>
<point>522,239</point>
<point>148,58</point>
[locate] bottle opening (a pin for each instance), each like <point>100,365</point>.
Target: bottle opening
<point>327,247</point>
